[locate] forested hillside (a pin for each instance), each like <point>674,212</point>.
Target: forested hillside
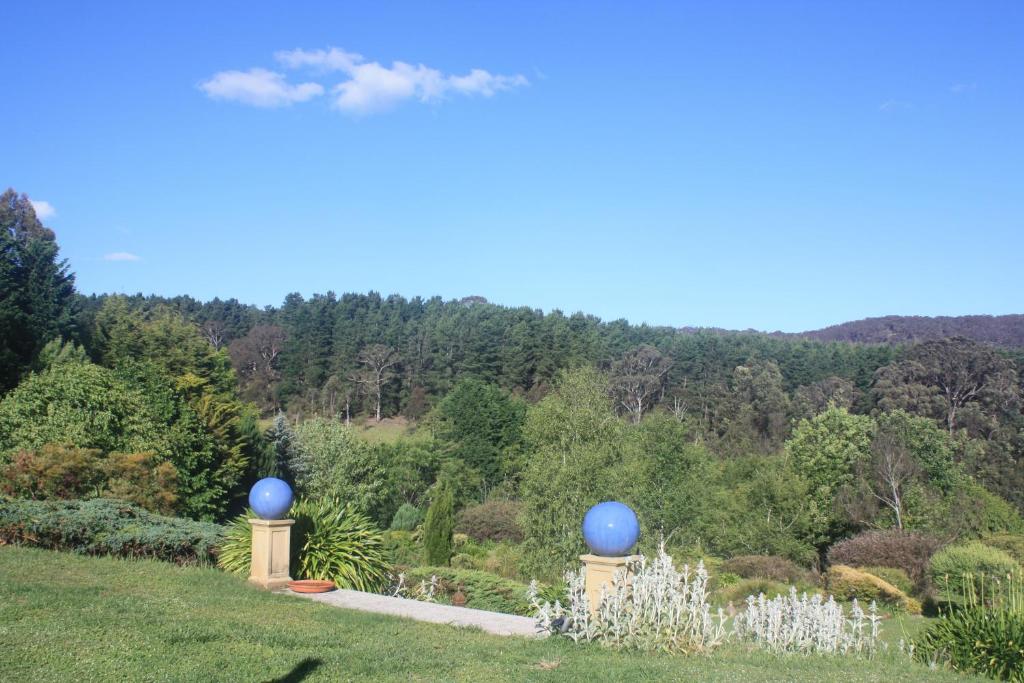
<point>1003,330</point>
<point>161,399</point>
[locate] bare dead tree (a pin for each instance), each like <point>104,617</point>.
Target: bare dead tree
<point>638,379</point>
<point>213,331</point>
<point>377,361</point>
<point>894,468</point>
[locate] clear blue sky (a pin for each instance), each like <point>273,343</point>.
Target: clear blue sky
<point>774,165</point>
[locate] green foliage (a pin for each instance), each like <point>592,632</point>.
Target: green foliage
<point>493,520</point>
<point>282,449</point>
<point>36,289</point>
<point>825,450</point>
<point>737,592</point>
<point>107,527</point>
<point>402,548</point>
<point>897,577</point>
<point>954,569</point>
<point>79,404</point>
<point>438,527</point>
<point>976,640</point>
<point>483,590</point>
<point>769,567</point>
<point>481,424</point>
<point>329,541</point>
<point>406,518</point>
<point>576,441</point>
<point>1011,544</point>
<point>332,462</point>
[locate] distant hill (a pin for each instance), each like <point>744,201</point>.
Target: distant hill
<point>1003,330</point>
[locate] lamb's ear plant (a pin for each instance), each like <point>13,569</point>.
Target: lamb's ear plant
<point>657,608</point>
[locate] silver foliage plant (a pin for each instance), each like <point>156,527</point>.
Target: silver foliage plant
<point>424,592</point>
<point>656,608</point>
<point>661,608</point>
<point>798,623</point>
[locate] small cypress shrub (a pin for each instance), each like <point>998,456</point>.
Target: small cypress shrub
<point>439,526</point>
<point>406,518</point>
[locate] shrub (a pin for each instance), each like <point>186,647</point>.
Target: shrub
<point>107,527</point>
<point>657,608</point>
<point>492,520</point>
<point>896,577</point>
<point>402,548</point>
<point>847,583</point>
<point>406,518</point>
<point>67,473</point>
<point>482,589</point>
<point>976,640</point>
<point>1011,544</point>
<point>329,541</point>
<point>798,623</point>
<point>738,592</point>
<point>437,528</point>
<point>902,550</point>
<point>768,567</point>
<point>955,569</point>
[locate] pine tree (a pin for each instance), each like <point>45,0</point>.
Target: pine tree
<point>438,527</point>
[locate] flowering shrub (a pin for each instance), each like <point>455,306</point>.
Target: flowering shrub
<point>657,608</point>
<point>798,623</point>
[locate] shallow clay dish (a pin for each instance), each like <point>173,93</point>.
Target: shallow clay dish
<point>310,586</point>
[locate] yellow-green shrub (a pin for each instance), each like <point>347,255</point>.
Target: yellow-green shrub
<point>847,583</point>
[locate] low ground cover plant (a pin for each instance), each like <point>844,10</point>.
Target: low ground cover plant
<point>798,623</point>
<point>482,590</point>
<point>107,527</point>
<point>330,541</point>
<point>658,608</point>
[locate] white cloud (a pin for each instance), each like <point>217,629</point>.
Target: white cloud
<point>894,105</point>
<point>44,210</point>
<point>368,87</point>
<point>121,256</point>
<point>258,87</point>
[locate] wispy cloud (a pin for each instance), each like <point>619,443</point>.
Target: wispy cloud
<point>894,105</point>
<point>44,210</point>
<point>961,88</point>
<point>258,87</point>
<point>367,87</point>
<point>121,256</point>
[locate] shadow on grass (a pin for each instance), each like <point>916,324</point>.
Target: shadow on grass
<point>300,671</point>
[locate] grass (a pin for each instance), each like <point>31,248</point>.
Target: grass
<point>67,617</point>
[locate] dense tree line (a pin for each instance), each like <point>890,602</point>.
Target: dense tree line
<point>796,442</point>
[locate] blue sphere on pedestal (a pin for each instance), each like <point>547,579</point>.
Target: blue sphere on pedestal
<point>610,529</point>
<point>271,498</point>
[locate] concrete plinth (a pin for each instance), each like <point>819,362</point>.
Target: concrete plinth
<point>601,573</point>
<point>271,551</point>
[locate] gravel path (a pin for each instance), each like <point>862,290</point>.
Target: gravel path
<point>492,622</point>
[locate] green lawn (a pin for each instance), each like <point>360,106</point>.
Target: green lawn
<point>69,618</point>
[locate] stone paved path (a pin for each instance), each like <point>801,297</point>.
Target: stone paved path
<point>492,622</point>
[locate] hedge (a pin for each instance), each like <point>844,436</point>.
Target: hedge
<point>107,527</point>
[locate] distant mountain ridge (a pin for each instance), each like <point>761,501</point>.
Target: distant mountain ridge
<point>1002,330</point>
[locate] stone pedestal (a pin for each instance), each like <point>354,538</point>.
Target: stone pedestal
<point>601,572</point>
<point>271,551</point>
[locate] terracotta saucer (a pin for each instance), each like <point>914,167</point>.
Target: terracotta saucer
<point>310,586</point>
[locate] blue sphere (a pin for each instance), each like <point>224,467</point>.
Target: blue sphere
<point>270,498</point>
<point>610,529</point>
